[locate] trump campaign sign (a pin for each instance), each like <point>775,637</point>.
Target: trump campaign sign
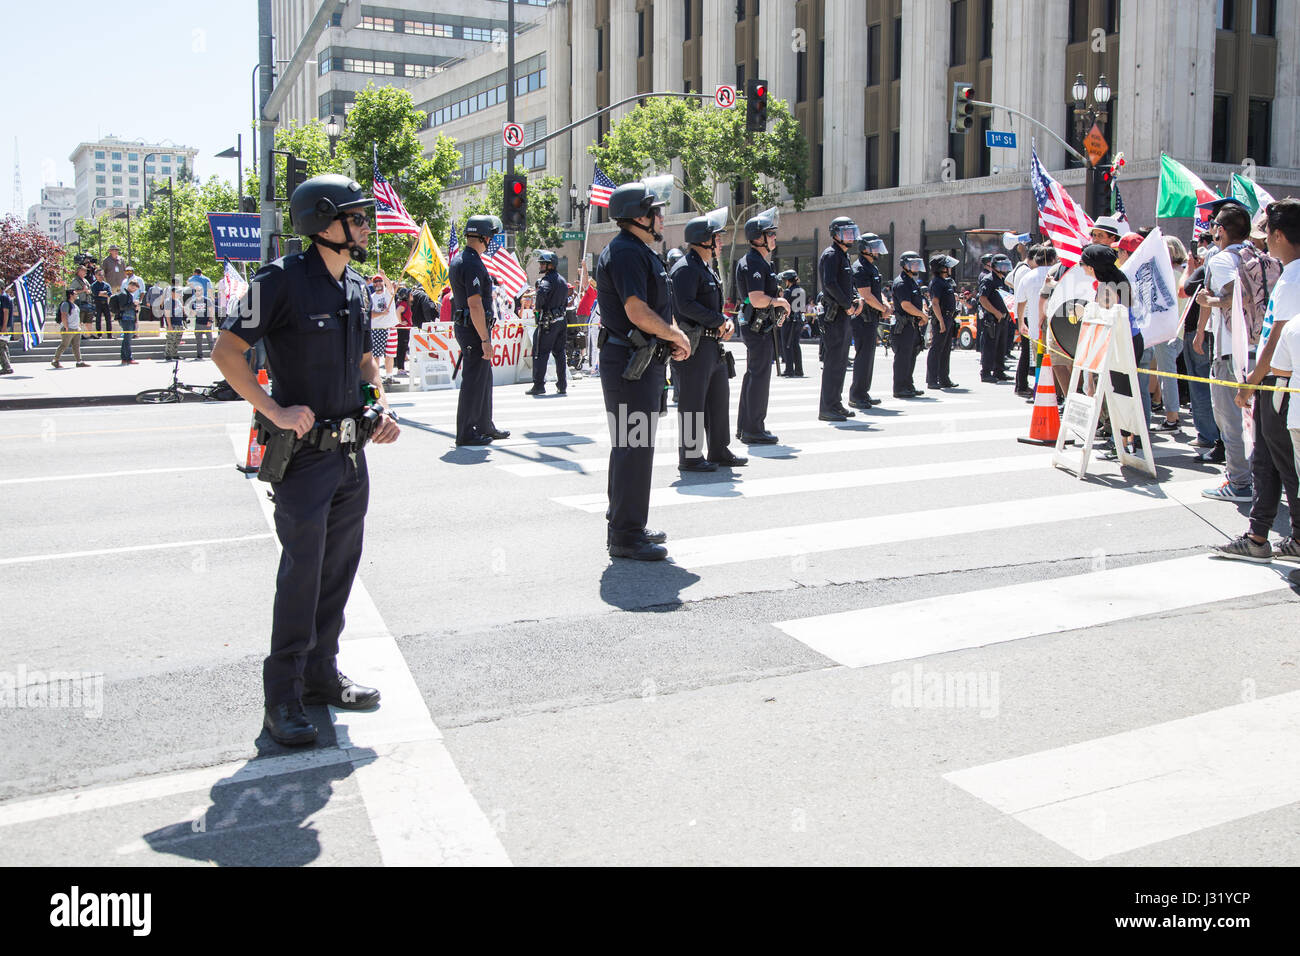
<point>236,235</point>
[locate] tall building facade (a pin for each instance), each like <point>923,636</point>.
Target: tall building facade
<point>55,210</point>
<point>397,45</point>
<point>114,173</point>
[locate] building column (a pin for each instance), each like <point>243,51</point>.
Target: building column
<point>1166,88</point>
<point>923,96</point>
<point>1286,96</point>
<point>776,56</point>
<point>557,92</point>
<point>670,34</point>
<point>1029,40</point>
<point>622,56</point>
<point>844,100</point>
<point>582,39</point>
<point>718,58</point>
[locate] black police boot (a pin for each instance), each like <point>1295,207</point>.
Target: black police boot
<point>288,724</point>
<point>654,537</point>
<point>845,412</point>
<point>696,464</point>
<point>476,440</point>
<point>340,691</point>
<point>536,390</point>
<point>864,404</point>
<point>730,461</point>
<point>638,549</point>
<point>831,416</point>
<point>494,433</point>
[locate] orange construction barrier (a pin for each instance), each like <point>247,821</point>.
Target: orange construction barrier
<point>255,451</point>
<point>1046,423</point>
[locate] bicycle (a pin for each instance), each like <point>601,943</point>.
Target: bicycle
<point>176,391</point>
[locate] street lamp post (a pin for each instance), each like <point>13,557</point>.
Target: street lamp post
<point>332,130</point>
<point>236,153</point>
<point>1085,115</point>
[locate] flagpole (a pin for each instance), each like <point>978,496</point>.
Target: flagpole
<point>582,258</point>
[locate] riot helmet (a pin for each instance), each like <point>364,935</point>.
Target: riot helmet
<point>322,199</point>
<point>844,229</point>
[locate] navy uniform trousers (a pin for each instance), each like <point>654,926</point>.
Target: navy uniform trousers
<point>864,356</point>
<point>703,394</point>
<point>547,343</point>
<point>320,512</point>
<point>474,406</point>
<point>836,338</point>
<point>990,335</point>
<point>906,341</point>
<point>939,360</point>
<point>756,386</point>
<point>791,352</point>
<point>632,409</point>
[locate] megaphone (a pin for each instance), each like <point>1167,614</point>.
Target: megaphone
<point>1011,240</point>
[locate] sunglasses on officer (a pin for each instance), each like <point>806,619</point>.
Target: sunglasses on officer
<point>355,218</point>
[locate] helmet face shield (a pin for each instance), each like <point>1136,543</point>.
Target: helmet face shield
<point>661,188</point>
<point>913,263</point>
<point>847,232</point>
<point>718,218</point>
<point>877,247</point>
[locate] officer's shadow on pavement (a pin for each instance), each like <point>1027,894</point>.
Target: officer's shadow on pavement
<point>257,819</point>
<point>645,586</point>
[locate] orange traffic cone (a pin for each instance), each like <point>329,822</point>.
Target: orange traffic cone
<point>253,461</point>
<point>1046,423</point>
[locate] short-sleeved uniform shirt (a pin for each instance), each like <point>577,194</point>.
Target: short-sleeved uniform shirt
<point>836,277</point>
<point>469,277</point>
<point>552,293</point>
<point>754,273</point>
<point>625,269</point>
<point>867,276</point>
<point>696,293</point>
<point>943,293</point>
<point>991,288</point>
<point>907,289</point>
<point>316,330</point>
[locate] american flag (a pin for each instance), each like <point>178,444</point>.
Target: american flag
<point>453,244</point>
<point>1119,206</point>
<point>29,294</point>
<point>1064,222</point>
<point>601,189</point>
<point>390,215</point>
<point>504,267</point>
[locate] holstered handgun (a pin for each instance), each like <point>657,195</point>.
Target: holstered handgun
<point>280,446</point>
<point>760,320</point>
<point>731,363</point>
<point>645,349</point>
<point>693,335</point>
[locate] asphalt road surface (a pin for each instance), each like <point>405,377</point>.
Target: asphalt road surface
<point>907,639</point>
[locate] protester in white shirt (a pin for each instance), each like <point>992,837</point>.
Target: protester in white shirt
<point>383,323</point>
<point>69,330</point>
<point>1029,311</point>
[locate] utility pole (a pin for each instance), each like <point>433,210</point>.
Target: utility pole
<point>265,125</point>
<point>510,82</point>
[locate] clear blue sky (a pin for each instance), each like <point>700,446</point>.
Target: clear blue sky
<point>148,69</point>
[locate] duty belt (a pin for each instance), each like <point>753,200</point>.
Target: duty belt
<point>711,333</point>
<point>329,435</point>
<point>605,335</point>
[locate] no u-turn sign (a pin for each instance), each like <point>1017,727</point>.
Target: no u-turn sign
<point>725,96</point>
<point>513,134</point>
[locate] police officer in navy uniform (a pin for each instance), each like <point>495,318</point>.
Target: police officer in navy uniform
<point>311,310</point>
<point>909,323</point>
<point>549,337</point>
<point>841,302</point>
<point>943,321</point>
<point>670,260</point>
<point>756,286</point>
<point>792,331</point>
<point>632,293</point>
<point>472,314</point>
<point>992,317</point>
<point>704,393</point>
<point>866,324</point>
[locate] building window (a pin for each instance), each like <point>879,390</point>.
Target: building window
<point>1225,17</point>
<point>600,49</point>
<point>99,167</point>
<point>957,33</point>
<point>377,67</point>
<point>897,159</point>
<point>897,52</point>
<point>99,191</point>
<point>957,153</point>
<point>873,162</point>
<point>476,33</point>
<point>133,168</point>
<point>422,28</point>
<point>132,157</point>
<point>985,154</point>
<point>1112,16</point>
<point>686,9</point>
<point>640,33</point>
<point>1220,129</point>
<point>1078,21</point>
<point>383,24</point>
<point>99,179</point>
<point>117,192</point>
<point>801,76</point>
<point>134,181</point>
<point>1264,23</point>
<point>420,70</point>
<point>986,30</point>
<point>117,167</point>
<point>117,155</point>
<point>99,154</point>
<point>1259,143</point>
<point>740,76</point>
<point>873,55</point>
<point>740,11</point>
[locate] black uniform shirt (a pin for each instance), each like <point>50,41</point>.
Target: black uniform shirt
<point>316,331</point>
<point>552,292</point>
<point>990,287</point>
<point>867,276</point>
<point>754,273</point>
<point>836,277</point>
<point>626,269</point>
<point>907,289</point>
<point>697,294</point>
<point>468,276</point>
<point>943,293</point>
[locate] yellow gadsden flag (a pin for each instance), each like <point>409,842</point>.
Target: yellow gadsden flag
<point>426,264</point>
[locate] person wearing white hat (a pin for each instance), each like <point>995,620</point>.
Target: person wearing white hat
<point>1106,231</point>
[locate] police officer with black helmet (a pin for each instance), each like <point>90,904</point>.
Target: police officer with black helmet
<point>311,310</point>
<point>703,392</point>
<point>632,294</point>
<point>791,350</point>
<point>866,324</point>
<point>992,316</point>
<point>943,321</point>
<point>763,308</point>
<point>549,338</point>
<point>841,303</point>
<point>909,324</point>
<point>473,315</point>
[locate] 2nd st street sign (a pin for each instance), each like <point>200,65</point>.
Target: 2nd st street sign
<point>568,235</point>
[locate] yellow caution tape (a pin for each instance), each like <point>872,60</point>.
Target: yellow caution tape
<point>1187,378</point>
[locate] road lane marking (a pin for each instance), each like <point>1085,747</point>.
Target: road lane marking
<point>111,474</point>
<point>913,629</point>
<point>32,558</point>
<point>1120,793</point>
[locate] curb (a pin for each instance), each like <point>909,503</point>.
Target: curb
<point>64,401</point>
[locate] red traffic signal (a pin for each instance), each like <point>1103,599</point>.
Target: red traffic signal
<point>756,106</point>
<point>962,117</point>
<point>514,205</point>
<point>517,187</point>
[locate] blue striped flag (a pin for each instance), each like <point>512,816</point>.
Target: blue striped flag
<point>29,294</point>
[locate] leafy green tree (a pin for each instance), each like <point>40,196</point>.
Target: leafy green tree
<point>714,151</point>
<point>543,230</point>
<point>384,122</point>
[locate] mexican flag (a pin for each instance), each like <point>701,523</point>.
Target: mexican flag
<point>1255,197</point>
<point>1180,190</point>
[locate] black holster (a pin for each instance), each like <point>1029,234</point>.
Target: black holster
<point>645,349</point>
<point>731,363</point>
<point>280,446</point>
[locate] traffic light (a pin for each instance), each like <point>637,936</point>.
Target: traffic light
<point>963,108</point>
<point>756,106</point>
<point>514,202</point>
<point>295,174</point>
